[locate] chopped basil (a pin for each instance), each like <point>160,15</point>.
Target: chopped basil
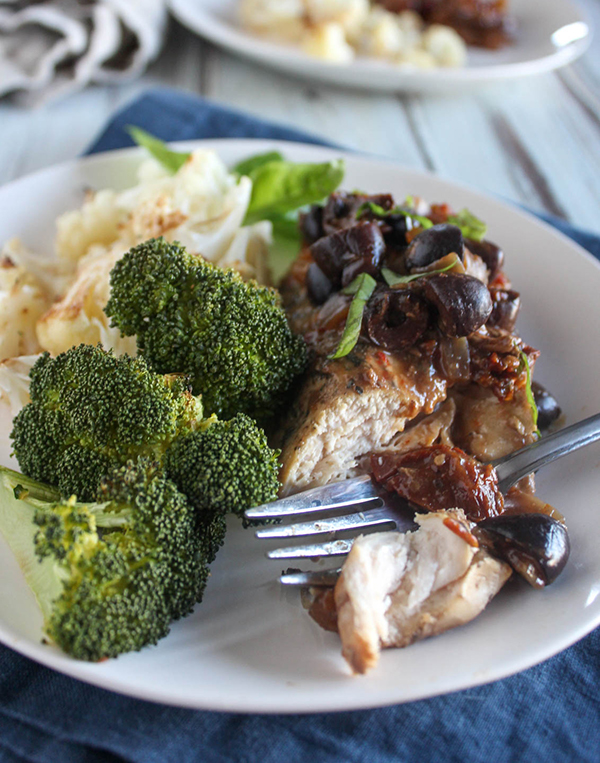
<point>393,279</point>
<point>370,206</point>
<point>524,365</point>
<point>362,287</point>
<point>252,163</point>
<point>171,160</point>
<point>279,190</point>
<point>471,226</point>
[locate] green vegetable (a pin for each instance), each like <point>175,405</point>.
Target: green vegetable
<point>286,244</point>
<point>91,411</point>
<point>524,366</point>
<point>252,163</point>
<point>393,279</point>
<point>109,576</point>
<point>362,288</point>
<point>171,160</point>
<point>279,190</point>
<point>370,206</point>
<point>232,338</point>
<point>470,225</point>
<point>279,187</point>
<point>225,467</point>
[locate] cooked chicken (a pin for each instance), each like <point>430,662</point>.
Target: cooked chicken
<point>349,407</point>
<point>396,588</point>
<point>436,361</point>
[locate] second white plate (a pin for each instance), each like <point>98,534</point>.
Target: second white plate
<point>551,33</point>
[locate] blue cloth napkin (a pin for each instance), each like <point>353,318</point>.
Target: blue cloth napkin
<point>550,712</point>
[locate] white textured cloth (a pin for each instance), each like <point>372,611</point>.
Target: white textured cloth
<point>49,48</point>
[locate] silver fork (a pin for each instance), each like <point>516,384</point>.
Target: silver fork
<point>376,507</point>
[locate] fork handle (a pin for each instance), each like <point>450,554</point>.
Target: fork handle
<point>532,457</point>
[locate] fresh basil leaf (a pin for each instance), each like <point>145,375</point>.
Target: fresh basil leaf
<point>281,187</point>
<point>370,206</point>
<point>524,365</point>
<point>471,226</point>
<point>393,279</point>
<point>362,287</point>
<point>171,160</point>
<point>252,163</point>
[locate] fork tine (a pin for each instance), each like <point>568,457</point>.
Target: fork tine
<point>339,494</point>
<point>331,548</point>
<point>321,578</point>
<point>357,521</point>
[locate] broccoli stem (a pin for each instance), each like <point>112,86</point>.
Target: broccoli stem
<point>18,528</point>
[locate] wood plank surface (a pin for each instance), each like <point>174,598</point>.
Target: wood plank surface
<point>534,141</point>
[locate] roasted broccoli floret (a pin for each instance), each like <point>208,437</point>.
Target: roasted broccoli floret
<point>111,575</point>
<point>91,411</point>
<point>226,466</point>
<point>192,317</point>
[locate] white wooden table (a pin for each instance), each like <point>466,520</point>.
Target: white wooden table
<point>534,141</point>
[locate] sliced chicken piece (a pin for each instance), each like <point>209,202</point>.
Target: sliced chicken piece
<point>352,406</point>
<point>489,428</point>
<point>396,588</point>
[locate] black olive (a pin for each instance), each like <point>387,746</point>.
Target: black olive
<point>397,318</point>
<point>506,304</point>
<point>394,229</point>
<point>491,254</point>
<point>345,254</point>
<point>319,287</point>
<point>341,209</point>
<point>463,302</point>
<point>548,409</point>
<point>311,224</point>
<point>433,244</point>
<point>535,545</point>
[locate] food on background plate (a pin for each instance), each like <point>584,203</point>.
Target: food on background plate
<point>484,23</point>
<point>339,30</point>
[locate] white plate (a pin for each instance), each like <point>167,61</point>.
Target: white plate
<point>249,646</point>
<point>552,33</point>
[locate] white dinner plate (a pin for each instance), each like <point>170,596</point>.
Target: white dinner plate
<point>250,646</point>
<point>551,33</point>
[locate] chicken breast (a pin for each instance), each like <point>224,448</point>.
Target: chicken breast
<point>352,406</point>
<point>396,588</point>
<point>440,388</point>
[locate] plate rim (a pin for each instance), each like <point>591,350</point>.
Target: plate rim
<point>92,674</point>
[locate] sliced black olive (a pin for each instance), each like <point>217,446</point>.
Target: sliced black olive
<point>506,304</point>
<point>397,319</point>
<point>433,244</point>
<point>535,545</point>
<point>463,302</point>
<point>548,409</point>
<point>341,209</point>
<point>311,224</point>
<point>319,287</point>
<point>345,254</point>
<point>491,254</point>
<point>394,229</point>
